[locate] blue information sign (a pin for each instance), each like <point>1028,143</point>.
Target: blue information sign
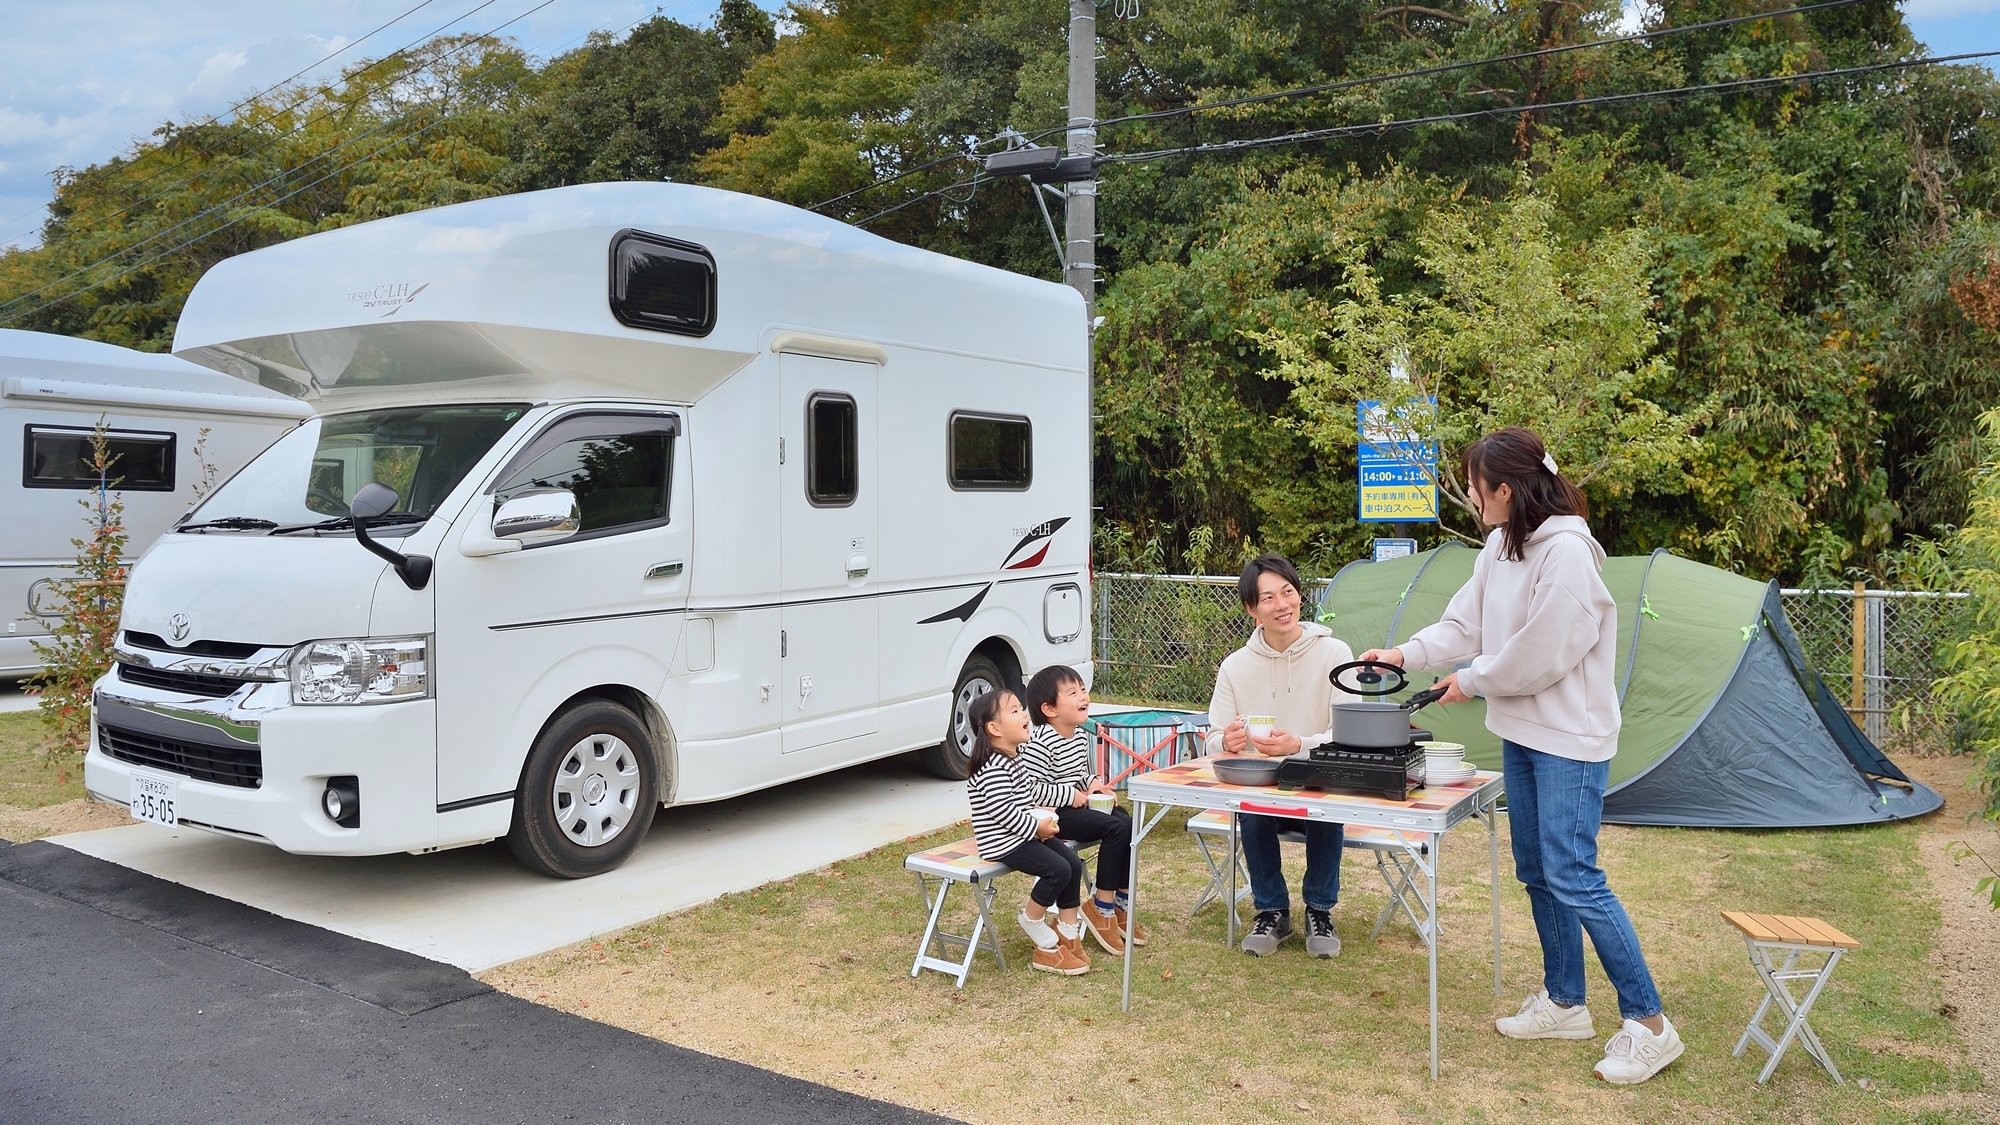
<point>1398,471</point>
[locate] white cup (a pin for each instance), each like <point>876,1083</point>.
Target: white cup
<point>1103,802</point>
<point>1260,726</point>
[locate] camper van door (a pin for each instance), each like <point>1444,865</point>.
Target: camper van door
<point>828,510</point>
<point>519,633</point>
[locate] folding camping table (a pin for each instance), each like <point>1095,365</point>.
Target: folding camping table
<point>1423,820</point>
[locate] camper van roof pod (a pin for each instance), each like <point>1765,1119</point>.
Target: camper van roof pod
<point>66,371</point>
<point>512,295</point>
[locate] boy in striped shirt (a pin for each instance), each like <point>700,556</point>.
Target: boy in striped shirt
<point>1056,764</point>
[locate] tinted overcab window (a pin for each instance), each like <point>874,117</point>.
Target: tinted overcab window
<point>619,466</point>
<point>61,457</point>
<point>991,451</point>
<point>662,283</point>
<point>833,465</point>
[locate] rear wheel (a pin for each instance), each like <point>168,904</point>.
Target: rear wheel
<point>587,794</point>
<point>949,759</point>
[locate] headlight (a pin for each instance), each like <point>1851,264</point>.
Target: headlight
<point>361,670</point>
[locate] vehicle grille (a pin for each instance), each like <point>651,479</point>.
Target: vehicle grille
<point>187,683</point>
<point>242,767</point>
<point>220,650</point>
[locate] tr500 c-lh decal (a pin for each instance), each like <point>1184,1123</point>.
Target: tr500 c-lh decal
<point>1043,534</point>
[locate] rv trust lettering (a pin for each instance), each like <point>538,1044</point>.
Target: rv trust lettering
<point>389,296</point>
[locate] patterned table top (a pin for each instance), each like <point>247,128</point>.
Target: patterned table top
<point>1432,809</point>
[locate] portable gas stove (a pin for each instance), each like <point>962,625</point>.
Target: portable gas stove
<point>1373,771</point>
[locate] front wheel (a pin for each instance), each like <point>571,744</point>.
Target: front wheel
<point>587,794</point>
<point>951,758</point>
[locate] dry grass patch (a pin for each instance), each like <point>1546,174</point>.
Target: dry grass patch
<point>811,977</point>
<point>38,798</point>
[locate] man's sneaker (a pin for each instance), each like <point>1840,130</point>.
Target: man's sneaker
<point>1540,1018</point>
<point>1104,927</point>
<point>1321,941</point>
<point>1138,931</point>
<point>1636,1054</point>
<point>1268,932</point>
<point>1059,960</point>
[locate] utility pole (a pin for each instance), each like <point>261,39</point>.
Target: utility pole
<point>1080,196</point>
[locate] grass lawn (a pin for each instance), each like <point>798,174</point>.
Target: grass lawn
<point>38,799</point>
<point>811,977</point>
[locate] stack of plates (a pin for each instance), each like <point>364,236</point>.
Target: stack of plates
<point>1444,763</point>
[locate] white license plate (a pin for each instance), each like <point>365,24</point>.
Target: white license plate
<point>156,799</point>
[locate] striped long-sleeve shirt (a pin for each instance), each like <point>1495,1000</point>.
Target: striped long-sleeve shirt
<point>1056,767</point>
<point>1002,807</point>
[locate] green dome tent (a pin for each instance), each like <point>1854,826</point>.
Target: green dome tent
<point>1724,723</point>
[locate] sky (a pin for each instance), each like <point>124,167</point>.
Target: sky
<point>80,80</point>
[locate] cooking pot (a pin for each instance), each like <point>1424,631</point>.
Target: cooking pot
<point>1375,724</point>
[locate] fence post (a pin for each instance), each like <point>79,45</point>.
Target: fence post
<point>1873,680</point>
<point>1857,699</point>
<point>1103,620</point>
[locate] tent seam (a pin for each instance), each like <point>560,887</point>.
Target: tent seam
<point>1669,752</point>
<point>1638,623</point>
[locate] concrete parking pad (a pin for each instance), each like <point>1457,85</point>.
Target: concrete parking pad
<point>477,908</point>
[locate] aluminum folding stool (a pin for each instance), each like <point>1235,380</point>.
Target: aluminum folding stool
<point>1389,847</point>
<point>937,871</point>
<point>1770,937</point>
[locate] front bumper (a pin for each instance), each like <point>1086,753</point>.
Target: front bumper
<point>391,748</point>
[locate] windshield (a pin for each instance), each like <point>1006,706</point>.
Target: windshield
<point>312,473</point>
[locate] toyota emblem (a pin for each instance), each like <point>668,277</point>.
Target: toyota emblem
<point>177,627</point>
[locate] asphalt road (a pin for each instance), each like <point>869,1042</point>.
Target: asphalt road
<point>127,998</point>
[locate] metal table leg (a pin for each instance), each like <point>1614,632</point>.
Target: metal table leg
<point>1235,858</point>
<point>1141,827</point>
<point>1491,814</point>
<point>1431,939</point>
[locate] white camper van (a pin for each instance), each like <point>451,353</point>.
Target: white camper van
<point>618,495</point>
<point>53,392</point>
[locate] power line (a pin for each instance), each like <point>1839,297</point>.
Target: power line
<point>1219,147</point>
<point>240,130</point>
<point>1348,83</point>
<point>1508,111</point>
<point>246,192</point>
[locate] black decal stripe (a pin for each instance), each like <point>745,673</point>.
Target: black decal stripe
<point>961,612</point>
<point>737,608</point>
<point>474,802</point>
<point>1038,576</point>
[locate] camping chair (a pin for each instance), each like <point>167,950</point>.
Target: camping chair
<point>1768,936</point>
<point>1392,861</point>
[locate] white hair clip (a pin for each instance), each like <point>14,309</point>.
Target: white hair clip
<point>1549,463</point>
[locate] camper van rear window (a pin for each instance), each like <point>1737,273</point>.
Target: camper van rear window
<point>662,283</point>
<point>61,457</point>
<point>991,452</point>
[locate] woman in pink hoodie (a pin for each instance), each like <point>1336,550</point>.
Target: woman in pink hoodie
<point>1535,632</point>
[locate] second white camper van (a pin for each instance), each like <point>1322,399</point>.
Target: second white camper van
<point>618,495</point>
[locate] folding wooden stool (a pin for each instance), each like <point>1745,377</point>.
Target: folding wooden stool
<point>1769,937</point>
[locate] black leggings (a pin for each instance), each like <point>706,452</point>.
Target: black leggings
<point>1058,873</point>
<point>1114,854</point>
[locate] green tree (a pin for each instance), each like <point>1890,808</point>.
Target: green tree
<point>78,651</point>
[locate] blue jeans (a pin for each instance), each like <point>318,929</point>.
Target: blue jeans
<point>1554,808</point>
<point>1259,836</point>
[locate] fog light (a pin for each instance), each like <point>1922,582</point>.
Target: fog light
<point>342,801</point>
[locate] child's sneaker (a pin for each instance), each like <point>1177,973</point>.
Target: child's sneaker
<point>1071,939</point>
<point>1540,1018</point>
<point>1104,927</point>
<point>1059,960</point>
<point>1636,1054</point>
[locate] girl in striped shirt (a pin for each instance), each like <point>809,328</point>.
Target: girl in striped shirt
<point>1008,827</point>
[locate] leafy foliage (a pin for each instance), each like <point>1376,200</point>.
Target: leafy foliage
<point>1973,685</point>
<point>79,648</point>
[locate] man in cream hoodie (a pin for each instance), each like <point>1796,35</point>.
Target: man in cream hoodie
<point>1282,671</point>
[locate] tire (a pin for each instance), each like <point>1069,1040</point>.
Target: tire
<point>949,759</point>
<point>595,759</point>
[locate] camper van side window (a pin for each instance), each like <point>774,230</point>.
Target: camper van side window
<point>619,466</point>
<point>662,283</point>
<point>833,462</point>
<point>60,457</point>
<point>991,452</point>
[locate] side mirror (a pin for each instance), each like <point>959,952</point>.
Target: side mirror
<point>373,500</point>
<point>539,515</point>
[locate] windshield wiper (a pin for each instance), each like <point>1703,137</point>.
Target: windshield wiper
<point>231,523</point>
<point>339,523</point>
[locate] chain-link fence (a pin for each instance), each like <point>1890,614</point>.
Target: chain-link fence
<point>1880,658</point>
<point>1159,638</point>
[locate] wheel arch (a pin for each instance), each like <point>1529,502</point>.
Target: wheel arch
<point>659,730</point>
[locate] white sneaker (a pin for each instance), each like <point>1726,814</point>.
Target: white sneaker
<point>1636,1054</point>
<point>1540,1018</point>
